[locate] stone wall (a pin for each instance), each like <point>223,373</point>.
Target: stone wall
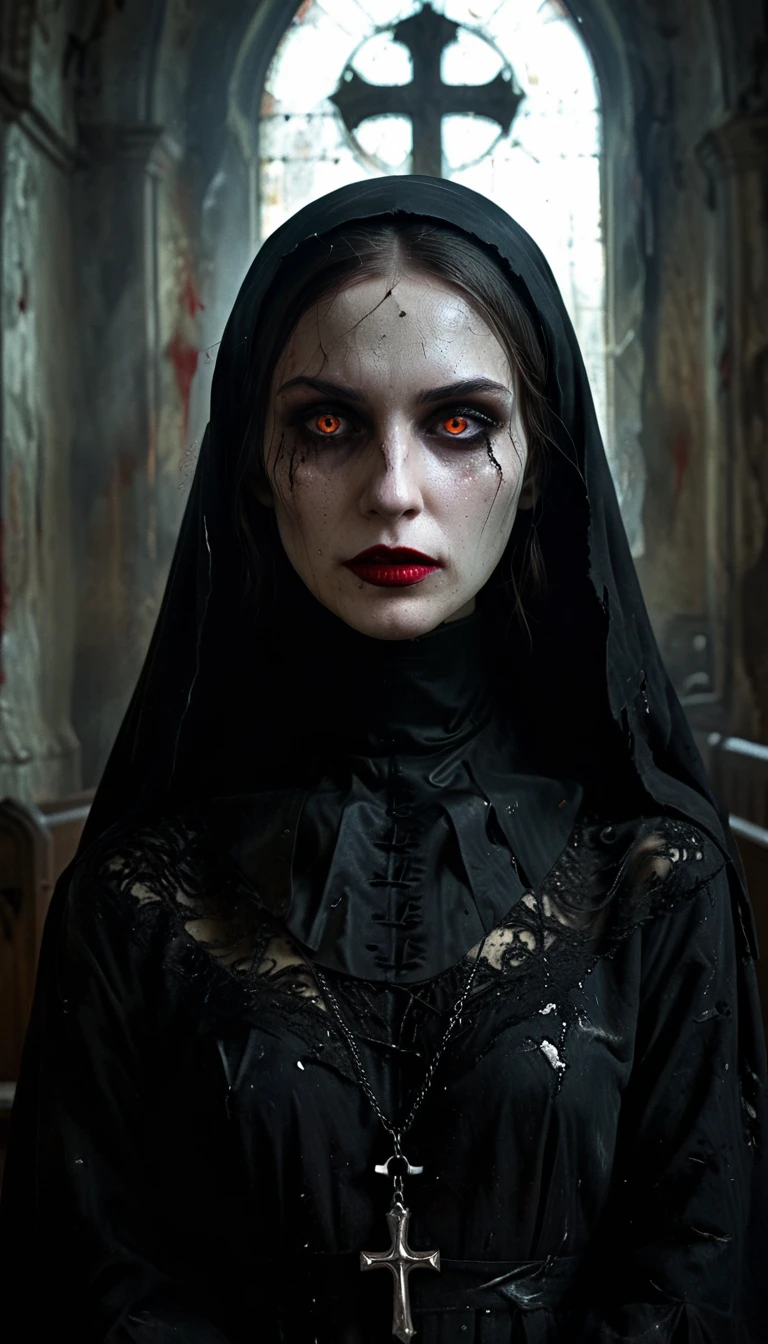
<point>681,298</point>
<point>138,308</point>
<point>38,749</point>
<point>699,76</point>
<point>163,242</point>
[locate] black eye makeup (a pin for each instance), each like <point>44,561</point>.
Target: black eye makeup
<point>451,425</point>
<point>464,425</point>
<point>325,421</point>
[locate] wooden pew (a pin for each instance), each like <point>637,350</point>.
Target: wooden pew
<point>64,819</point>
<point>753,847</point>
<point>738,771</point>
<point>6,1102</point>
<point>36,844</point>
<point>26,882</point>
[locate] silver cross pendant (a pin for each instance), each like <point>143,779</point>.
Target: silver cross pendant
<point>399,1258</point>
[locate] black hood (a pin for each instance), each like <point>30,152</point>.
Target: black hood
<point>599,707</point>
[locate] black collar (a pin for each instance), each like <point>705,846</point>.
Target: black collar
<point>348,693</point>
<point>415,826</point>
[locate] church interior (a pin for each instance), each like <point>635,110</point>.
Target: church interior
<point>147,147</point>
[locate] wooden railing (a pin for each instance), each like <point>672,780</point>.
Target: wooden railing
<point>36,844</point>
<point>738,770</point>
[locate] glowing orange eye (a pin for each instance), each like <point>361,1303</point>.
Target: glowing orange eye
<point>327,424</point>
<point>455,424</point>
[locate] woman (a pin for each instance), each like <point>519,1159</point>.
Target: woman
<point>405,937</point>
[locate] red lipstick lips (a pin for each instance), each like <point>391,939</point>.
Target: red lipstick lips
<point>392,566</point>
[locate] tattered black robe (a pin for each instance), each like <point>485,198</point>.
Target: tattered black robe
<point>192,1156</point>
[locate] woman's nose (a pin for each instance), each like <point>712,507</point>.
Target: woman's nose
<point>392,486</point>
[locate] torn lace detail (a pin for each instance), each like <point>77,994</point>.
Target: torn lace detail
<point>236,956</point>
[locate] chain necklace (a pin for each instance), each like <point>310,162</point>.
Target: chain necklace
<point>399,1258</point>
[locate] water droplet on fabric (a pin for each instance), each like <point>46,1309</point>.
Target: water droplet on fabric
<point>299,1065</point>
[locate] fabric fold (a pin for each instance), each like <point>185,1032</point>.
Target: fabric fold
<point>378,876</point>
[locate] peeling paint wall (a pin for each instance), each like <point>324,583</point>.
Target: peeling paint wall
<point>749,391</point>
<point>154,253</point>
<point>114,442</point>
<point>39,754</point>
<point>691,267</point>
<point>138,304</point>
<point>681,103</point>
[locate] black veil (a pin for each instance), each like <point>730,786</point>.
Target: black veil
<point>597,698</point>
<point>597,702</point>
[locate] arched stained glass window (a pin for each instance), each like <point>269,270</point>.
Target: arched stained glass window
<point>498,94</point>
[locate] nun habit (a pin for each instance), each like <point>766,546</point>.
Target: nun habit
<point>292,806</point>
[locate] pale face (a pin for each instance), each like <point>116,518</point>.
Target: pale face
<point>393,423</point>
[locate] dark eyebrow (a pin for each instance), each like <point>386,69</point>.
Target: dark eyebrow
<point>462,389</point>
<point>465,388</point>
<point>322,385</point>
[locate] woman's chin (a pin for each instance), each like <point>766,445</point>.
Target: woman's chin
<point>397,617</point>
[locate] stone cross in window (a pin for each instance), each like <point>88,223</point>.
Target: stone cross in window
<point>426,100</point>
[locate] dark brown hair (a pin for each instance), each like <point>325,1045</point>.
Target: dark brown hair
<point>385,248</point>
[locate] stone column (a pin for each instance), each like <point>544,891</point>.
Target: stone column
<point>115,459</point>
<point>39,753</point>
<point>735,156</point>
